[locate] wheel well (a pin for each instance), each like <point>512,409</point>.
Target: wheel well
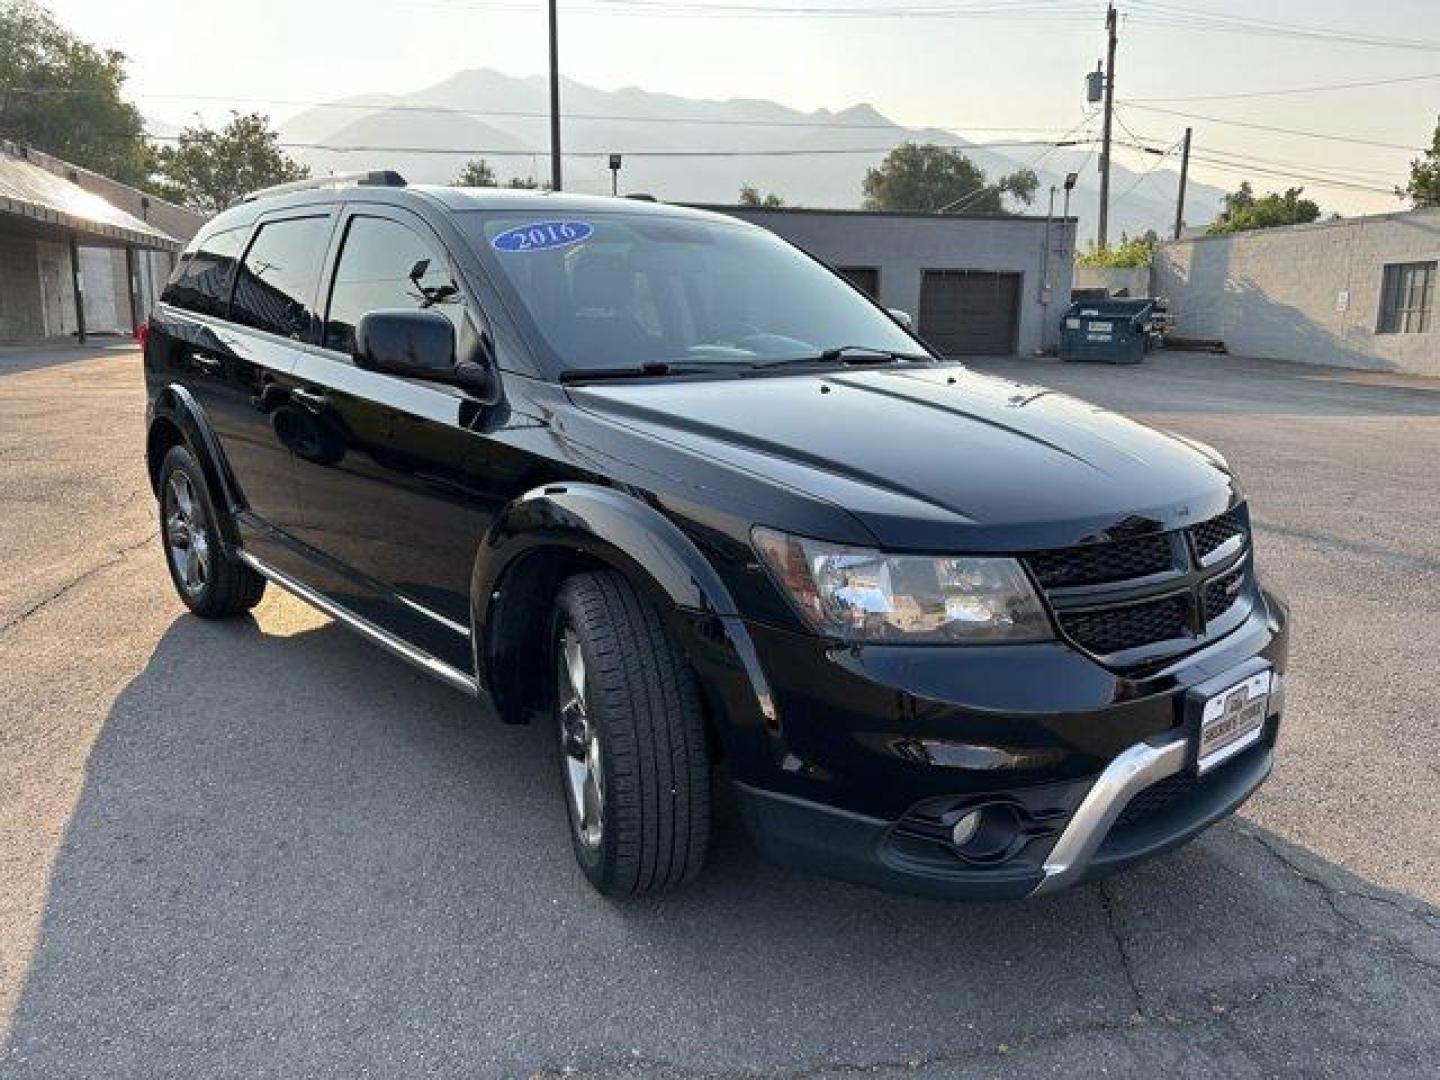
<point>517,631</point>
<point>163,435</point>
<point>518,634</point>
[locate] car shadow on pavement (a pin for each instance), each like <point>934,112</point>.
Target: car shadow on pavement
<point>294,855</point>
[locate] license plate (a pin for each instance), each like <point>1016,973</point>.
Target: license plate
<point>1103,327</point>
<point>1232,720</point>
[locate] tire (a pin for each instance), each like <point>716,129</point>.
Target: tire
<point>212,583</point>
<point>639,728</point>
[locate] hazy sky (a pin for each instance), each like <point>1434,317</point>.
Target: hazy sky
<point>1016,65</point>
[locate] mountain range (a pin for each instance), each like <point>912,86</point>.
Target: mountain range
<point>430,134</point>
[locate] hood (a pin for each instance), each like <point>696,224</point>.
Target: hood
<point>935,458</point>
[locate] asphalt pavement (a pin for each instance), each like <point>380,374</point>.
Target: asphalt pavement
<point>265,848</point>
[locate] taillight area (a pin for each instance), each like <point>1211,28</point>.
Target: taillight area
<point>142,334</point>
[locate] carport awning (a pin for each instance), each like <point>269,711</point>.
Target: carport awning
<point>40,198</point>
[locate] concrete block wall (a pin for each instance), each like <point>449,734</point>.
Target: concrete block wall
<point>903,246</point>
<point>1135,280</point>
<point>1310,293</point>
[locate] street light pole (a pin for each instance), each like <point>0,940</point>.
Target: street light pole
<point>555,180</point>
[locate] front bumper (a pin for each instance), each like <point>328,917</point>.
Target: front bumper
<point>852,847</point>
<point>866,761</point>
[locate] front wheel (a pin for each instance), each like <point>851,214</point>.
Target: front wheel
<point>634,765</point>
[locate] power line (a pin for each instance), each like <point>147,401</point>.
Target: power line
<point>1160,160</point>
<point>1314,181</point>
<point>1033,164</point>
<point>1240,163</point>
<point>527,152</point>
<point>1293,90</point>
<point>1163,14</point>
<point>1020,10</point>
<point>1270,127</point>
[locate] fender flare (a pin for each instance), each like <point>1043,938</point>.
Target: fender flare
<point>178,406</point>
<point>594,523</point>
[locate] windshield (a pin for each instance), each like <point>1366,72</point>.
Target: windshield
<point>622,290</point>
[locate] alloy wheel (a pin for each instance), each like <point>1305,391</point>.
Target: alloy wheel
<point>579,743</point>
<point>187,540</point>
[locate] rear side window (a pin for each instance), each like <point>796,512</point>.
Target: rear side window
<point>201,283</point>
<point>385,265</point>
<point>275,289</point>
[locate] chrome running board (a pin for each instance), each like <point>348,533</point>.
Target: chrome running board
<point>386,640</point>
<point>1134,770</point>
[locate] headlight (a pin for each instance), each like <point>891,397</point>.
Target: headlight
<point>864,595</point>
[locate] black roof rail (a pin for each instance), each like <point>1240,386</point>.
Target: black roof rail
<point>373,178</point>
<point>641,196</point>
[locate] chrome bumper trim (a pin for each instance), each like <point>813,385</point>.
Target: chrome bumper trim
<point>386,640</point>
<point>1134,770</point>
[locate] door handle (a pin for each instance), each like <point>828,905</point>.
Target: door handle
<point>207,363</point>
<point>313,400</point>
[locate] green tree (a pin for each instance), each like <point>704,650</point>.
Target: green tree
<point>208,169</point>
<point>1244,211</point>
<point>62,95</point>
<point>1424,186</point>
<point>1128,253</point>
<point>750,196</point>
<point>476,173</point>
<point>933,178</point>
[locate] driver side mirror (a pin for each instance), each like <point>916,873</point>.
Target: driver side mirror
<point>901,317</point>
<point>418,344</point>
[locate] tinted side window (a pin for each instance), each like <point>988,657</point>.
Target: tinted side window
<point>276,284</point>
<point>385,265</point>
<point>201,282</point>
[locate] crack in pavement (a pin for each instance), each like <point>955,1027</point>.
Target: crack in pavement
<point>1192,1012</point>
<point>1112,924</point>
<point>116,556</point>
<point>1331,893</point>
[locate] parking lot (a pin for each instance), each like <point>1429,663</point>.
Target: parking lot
<point>264,847</point>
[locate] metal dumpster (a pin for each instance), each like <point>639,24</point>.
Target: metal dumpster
<point>1112,331</point>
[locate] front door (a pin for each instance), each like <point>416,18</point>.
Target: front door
<point>389,495</point>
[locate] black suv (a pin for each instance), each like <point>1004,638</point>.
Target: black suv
<point>658,479</point>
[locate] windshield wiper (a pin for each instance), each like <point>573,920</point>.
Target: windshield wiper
<point>649,370</point>
<point>848,354</point>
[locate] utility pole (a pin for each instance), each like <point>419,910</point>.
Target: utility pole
<point>1103,236</point>
<point>554,100</point>
<point>1184,174</point>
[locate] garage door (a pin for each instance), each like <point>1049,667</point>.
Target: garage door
<point>970,312</point>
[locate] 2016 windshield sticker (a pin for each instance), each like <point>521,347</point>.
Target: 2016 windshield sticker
<point>543,236</point>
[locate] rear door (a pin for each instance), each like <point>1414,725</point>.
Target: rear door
<point>970,312</point>
<point>237,376</point>
<point>393,507</point>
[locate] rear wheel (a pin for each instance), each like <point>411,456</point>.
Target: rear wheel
<point>210,582</point>
<point>634,764</point>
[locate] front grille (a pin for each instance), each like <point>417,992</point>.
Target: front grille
<point>1095,564</point>
<point>1222,592</point>
<point>1156,797</point>
<point>1209,535</point>
<point>1150,593</point>
<point>1116,629</point>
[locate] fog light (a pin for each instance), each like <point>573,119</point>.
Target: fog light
<point>987,834</point>
<point>965,829</point>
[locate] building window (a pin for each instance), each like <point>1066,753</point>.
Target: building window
<point>1407,298</point>
<point>864,278</point>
